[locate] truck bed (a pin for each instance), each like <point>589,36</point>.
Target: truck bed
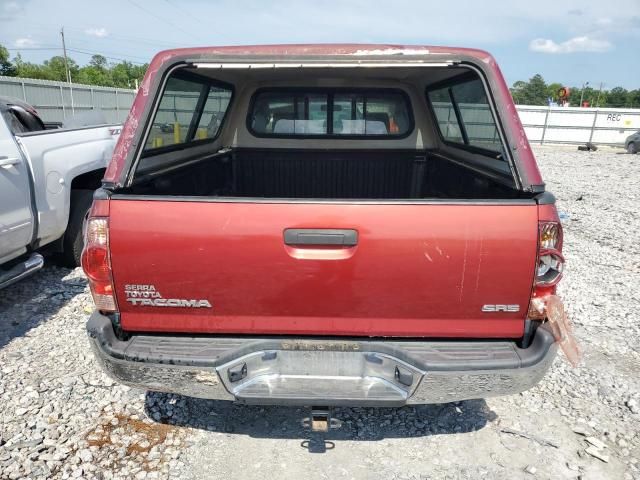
<point>324,174</point>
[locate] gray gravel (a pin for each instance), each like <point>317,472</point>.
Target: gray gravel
<point>60,417</point>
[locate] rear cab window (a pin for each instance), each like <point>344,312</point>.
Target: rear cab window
<point>330,113</point>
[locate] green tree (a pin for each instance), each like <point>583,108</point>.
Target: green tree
<point>96,73</point>
<point>98,62</point>
<point>517,91</point>
<point>6,67</point>
<point>55,68</point>
<point>617,97</point>
<point>536,92</point>
<point>125,74</point>
<point>28,69</point>
<point>533,92</point>
<point>552,90</point>
<point>590,95</point>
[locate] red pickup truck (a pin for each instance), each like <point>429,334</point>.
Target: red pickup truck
<point>324,225</point>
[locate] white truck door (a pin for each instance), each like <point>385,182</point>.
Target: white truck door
<point>16,217</point>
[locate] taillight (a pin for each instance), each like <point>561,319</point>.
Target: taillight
<point>549,267</point>
<point>95,258</point>
<point>550,259</point>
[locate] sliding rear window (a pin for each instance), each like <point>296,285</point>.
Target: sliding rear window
<point>464,116</point>
<point>191,111</point>
<point>330,113</point>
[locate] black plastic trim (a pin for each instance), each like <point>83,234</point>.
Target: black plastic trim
<point>195,120</point>
<point>321,236</point>
<point>461,124</point>
<point>102,194</point>
<point>345,201</point>
<point>450,82</point>
<point>545,198</point>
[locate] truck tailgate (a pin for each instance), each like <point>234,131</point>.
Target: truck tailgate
<point>412,270</point>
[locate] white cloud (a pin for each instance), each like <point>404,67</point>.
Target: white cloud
<point>97,32</point>
<point>24,42</point>
<point>9,10</point>
<point>605,22</point>
<point>10,7</point>
<point>575,44</point>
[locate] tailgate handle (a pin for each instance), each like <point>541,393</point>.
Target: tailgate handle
<point>321,236</point>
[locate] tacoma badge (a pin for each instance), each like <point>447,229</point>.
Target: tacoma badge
<point>148,296</point>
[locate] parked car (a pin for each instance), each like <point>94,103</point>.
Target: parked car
<point>349,234</point>
<point>632,143</point>
<point>47,179</point>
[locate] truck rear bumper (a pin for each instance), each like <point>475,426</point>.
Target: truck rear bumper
<point>321,371</point>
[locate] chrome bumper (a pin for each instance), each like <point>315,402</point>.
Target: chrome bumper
<point>313,371</point>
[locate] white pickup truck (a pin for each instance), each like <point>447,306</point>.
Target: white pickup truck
<point>47,179</point>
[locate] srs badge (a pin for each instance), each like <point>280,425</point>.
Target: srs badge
<point>501,308</point>
<point>148,296</point>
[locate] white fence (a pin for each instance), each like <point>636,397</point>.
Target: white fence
<point>601,126</point>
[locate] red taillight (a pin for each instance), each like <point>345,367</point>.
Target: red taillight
<point>549,266</point>
<point>95,260</point>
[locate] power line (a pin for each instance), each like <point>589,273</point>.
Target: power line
<point>186,12</point>
<point>116,55</point>
<point>105,56</point>
<point>83,52</point>
<point>149,12</point>
<point>34,48</point>
<point>111,36</point>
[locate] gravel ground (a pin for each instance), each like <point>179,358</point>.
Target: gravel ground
<point>61,417</point>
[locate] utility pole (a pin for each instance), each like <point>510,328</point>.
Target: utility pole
<point>599,92</point>
<point>66,66</point>
<point>585,84</point>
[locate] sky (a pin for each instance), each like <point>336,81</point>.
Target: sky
<point>569,41</point>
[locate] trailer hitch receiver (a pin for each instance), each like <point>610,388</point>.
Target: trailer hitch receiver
<point>321,420</point>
